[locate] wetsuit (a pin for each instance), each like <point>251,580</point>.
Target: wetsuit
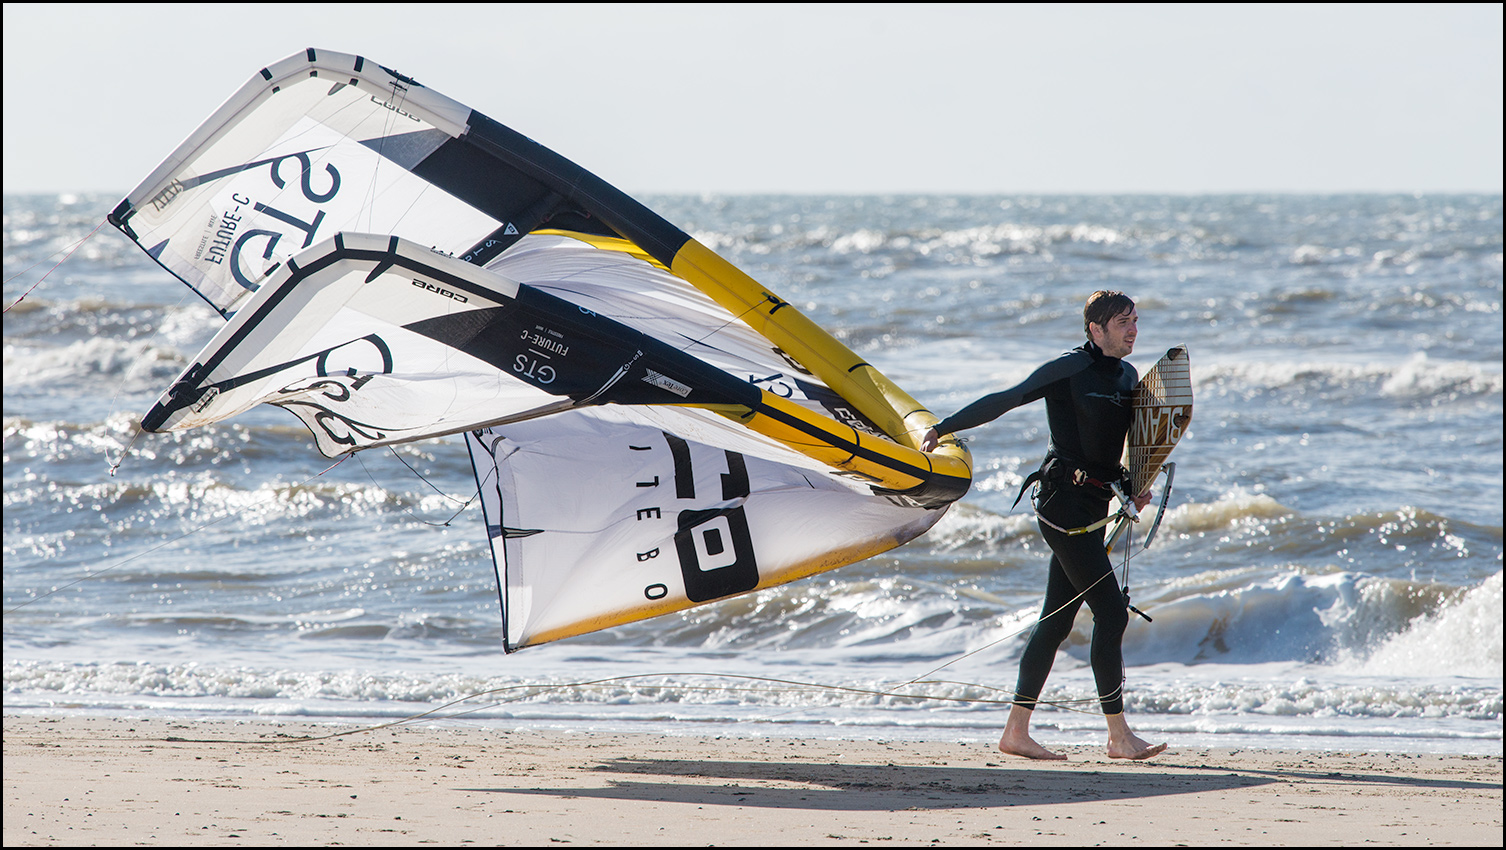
<point>1088,407</point>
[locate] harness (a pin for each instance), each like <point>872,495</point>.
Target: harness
<point>1053,471</point>
<point>1058,471</point>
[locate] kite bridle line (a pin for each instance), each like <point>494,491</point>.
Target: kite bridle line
<point>420,476</point>
<point>76,246</point>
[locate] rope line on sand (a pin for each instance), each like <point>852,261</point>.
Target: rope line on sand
<point>785,685</point>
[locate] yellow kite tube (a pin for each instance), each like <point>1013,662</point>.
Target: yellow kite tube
<point>900,466</point>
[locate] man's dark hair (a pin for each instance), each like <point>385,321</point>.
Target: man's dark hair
<point>1102,306</point>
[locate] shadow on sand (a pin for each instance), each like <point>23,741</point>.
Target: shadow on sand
<point>876,787</point>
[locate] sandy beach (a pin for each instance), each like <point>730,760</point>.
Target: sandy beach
<point>72,780</point>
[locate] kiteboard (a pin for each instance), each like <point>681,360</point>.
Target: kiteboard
<point>1162,409</point>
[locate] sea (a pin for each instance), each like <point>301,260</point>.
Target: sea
<point>1327,575</point>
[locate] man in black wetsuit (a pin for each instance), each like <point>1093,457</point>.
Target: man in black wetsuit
<point>1087,392</point>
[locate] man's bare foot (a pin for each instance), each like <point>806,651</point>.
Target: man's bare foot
<point>1023,745</point>
<point>1124,743</point>
<point>1134,748</point>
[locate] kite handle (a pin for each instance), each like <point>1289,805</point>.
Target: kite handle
<point>1126,504</point>
<point>1127,513</point>
<point>1171,470</point>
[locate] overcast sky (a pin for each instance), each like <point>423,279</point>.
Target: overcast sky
<point>849,98</point>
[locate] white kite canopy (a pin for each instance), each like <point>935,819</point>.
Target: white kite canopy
<point>651,429</point>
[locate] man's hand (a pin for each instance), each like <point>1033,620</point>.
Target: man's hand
<point>1144,499</point>
<point>930,440</point>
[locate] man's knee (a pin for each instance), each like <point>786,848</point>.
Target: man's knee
<point>1055,628</point>
<point>1112,619</point>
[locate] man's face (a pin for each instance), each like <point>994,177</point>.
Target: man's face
<point>1117,338</point>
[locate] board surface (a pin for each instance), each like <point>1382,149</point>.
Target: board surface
<point>1162,411</point>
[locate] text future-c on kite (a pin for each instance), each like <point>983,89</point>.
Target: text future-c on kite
<point>651,429</point>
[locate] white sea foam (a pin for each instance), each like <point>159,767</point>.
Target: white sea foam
<point>131,365</point>
<point>1417,377</point>
<point>1343,619</point>
<point>1423,378</point>
<point>1462,638</point>
<point>969,526</point>
<point>1230,509</point>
